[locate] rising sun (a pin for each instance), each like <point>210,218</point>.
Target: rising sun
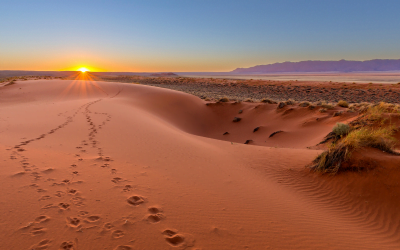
<point>83,69</point>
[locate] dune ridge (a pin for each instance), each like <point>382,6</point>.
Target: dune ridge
<point>100,165</point>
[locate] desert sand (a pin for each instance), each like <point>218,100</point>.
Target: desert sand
<point>102,165</point>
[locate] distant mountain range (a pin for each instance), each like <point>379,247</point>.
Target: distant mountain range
<point>324,66</point>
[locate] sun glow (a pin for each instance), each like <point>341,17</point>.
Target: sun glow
<point>83,69</point>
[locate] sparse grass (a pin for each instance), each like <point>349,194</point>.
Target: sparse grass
<point>338,113</point>
<point>339,152</point>
<point>266,100</point>
<point>290,102</point>
<point>343,104</point>
<point>224,99</point>
<point>341,129</point>
<point>323,110</point>
<point>304,104</point>
<point>10,83</point>
<point>327,105</point>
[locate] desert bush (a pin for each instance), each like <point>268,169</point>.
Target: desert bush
<point>266,100</point>
<point>311,107</point>
<point>343,104</point>
<point>341,129</point>
<point>338,113</point>
<point>327,105</point>
<point>323,110</point>
<point>290,102</point>
<point>281,105</point>
<point>304,104</point>
<point>248,100</point>
<point>224,99</point>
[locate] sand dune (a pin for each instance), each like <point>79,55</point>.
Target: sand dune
<point>100,165</point>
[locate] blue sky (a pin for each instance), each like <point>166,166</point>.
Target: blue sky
<point>193,35</point>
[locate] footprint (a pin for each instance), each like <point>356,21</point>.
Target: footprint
<point>73,222</point>
<point>44,244</point>
<point>117,234</point>
<point>178,240</point>
<point>67,245</point>
<point>125,247</point>
<point>169,232</point>
<point>154,218</point>
<point>135,200</point>
<point>116,179</point>
<point>93,218</point>
<point>63,206</point>
<point>154,210</point>
<point>59,193</point>
<point>156,215</point>
<point>46,197</point>
<point>38,230</point>
<point>83,213</point>
<point>78,201</point>
<point>175,240</point>
<point>72,191</point>
<point>108,226</point>
<point>42,218</point>
<point>127,188</point>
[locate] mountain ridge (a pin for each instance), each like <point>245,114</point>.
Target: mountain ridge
<point>324,66</point>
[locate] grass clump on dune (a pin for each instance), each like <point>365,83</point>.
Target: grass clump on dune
<point>340,151</point>
<point>343,104</point>
<point>341,129</point>
<point>224,99</point>
<point>266,100</point>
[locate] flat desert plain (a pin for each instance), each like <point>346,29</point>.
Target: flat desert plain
<point>102,165</point>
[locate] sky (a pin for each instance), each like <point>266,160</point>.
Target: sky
<point>192,35</point>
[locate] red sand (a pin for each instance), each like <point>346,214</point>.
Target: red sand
<point>99,165</point>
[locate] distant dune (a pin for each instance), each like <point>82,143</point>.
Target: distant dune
<point>325,66</point>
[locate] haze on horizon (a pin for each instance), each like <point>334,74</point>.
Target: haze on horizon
<point>179,36</point>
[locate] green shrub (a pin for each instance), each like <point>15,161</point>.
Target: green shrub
<point>341,129</point>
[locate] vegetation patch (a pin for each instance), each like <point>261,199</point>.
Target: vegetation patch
<point>343,104</point>
<point>371,130</point>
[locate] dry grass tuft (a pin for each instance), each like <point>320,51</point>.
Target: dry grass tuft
<point>224,99</point>
<point>343,104</point>
<point>340,151</point>
<point>266,100</point>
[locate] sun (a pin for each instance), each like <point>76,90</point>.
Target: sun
<point>83,69</point>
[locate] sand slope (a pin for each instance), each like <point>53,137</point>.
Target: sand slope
<point>97,165</point>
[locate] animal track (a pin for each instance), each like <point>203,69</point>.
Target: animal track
<point>117,234</point>
<point>42,218</point>
<point>125,247</point>
<point>108,226</point>
<point>73,222</point>
<point>136,200</point>
<point>83,213</point>
<point>116,179</point>
<point>93,218</point>
<point>67,246</point>
<point>38,230</point>
<point>64,206</point>
<point>44,244</point>
<point>155,216</point>
<point>177,240</point>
